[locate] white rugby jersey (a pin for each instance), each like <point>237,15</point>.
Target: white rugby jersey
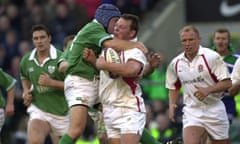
<point>235,76</point>
<point>120,91</point>
<point>204,70</point>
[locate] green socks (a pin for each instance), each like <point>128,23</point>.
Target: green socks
<point>66,139</point>
<point>147,138</point>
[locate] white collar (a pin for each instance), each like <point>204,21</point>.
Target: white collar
<point>53,53</point>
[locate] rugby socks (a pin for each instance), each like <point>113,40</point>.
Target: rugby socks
<point>66,139</point>
<point>147,138</point>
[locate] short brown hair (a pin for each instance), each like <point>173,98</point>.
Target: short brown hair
<point>39,27</point>
<point>134,19</point>
<point>66,39</point>
<point>223,30</point>
<point>190,28</point>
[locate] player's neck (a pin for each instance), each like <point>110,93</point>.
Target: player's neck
<point>42,55</point>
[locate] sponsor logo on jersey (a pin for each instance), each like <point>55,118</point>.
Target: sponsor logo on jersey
<point>200,68</point>
<point>43,89</point>
<point>81,99</point>
<point>31,69</point>
<point>194,80</point>
<point>51,69</point>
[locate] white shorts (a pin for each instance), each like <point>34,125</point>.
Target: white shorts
<point>212,118</point>
<point>120,121</point>
<point>59,124</point>
<point>79,90</point>
<point>2,118</point>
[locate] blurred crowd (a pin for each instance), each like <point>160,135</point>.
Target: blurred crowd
<point>63,18</point>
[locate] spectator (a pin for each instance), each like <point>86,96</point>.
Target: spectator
<point>222,45</point>
<point>62,25</point>
<point>2,57</point>
<point>4,27</point>
<point>24,47</point>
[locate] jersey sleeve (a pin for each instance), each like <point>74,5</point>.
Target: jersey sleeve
<point>136,54</point>
<point>219,68</point>
<point>23,68</point>
<point>98,35</point>
<point>171,76</point>
<point>235,76</point>
<point>6,81</point>
<point>63,57</point>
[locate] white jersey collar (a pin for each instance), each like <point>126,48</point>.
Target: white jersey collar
<point>53,53</point>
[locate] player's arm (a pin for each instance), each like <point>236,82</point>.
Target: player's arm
<point>154,60</point>
<point>119,45</point>
<point>130,69</point>
<point>220,86</point>
<point>173,97</point>
<point>235,76</point>
<point>62,66</point>
<point>89,56</point>
<point>27,92</point>
<point>62,63</point>
<point>46,80</point>
<point>234,90</point>
<point>9,110</point>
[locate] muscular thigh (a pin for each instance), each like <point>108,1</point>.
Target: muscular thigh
<point>58,125</point>
<point>38,130</point>
<point>193,134</point>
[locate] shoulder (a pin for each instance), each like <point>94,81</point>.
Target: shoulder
<point>26,56</point>
<point>237,62</point>
<point>1,71</point>
<point>135,52</point>
<point>209,53</point>
<point>91,27</point>
<point>59,52</point>
<point>177,58</point>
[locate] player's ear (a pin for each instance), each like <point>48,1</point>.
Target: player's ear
<point>50,38</point>
<point>133,33</point>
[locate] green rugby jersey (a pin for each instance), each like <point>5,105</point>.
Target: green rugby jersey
<point>90,36</point>
<point>63,57</point>
<point>48,99</point>
<point>6,82</point>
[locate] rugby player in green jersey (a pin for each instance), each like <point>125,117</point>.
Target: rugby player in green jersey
<point>43,89</point>
<point>81,83</point>
<point>7,83</point>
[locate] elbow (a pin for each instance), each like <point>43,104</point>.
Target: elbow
<point>62,67</point>
<point>229,84</point>
<point>232,92</point>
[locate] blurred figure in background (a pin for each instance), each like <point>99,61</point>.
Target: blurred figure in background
<point>222,45</point>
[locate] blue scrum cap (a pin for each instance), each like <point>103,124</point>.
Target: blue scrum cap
<point>105,12</point>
